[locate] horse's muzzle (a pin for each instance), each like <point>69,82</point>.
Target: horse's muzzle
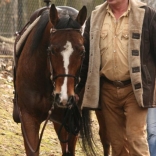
<point>65,104</point>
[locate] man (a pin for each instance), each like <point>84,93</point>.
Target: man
<point>119,67</point>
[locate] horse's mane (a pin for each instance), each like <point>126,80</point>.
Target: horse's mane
<point>40,27</point>
<point>66,21</point>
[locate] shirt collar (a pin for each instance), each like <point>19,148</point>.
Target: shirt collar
<point>126,13</point>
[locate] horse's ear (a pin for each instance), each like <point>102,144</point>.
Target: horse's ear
<point>54,15</point>
<point>82,15</point>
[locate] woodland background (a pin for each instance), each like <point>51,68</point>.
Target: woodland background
<point>14,14</point>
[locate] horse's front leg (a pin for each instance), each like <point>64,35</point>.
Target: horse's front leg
<point>30,130</point>
<point>72,145</point>
<point>68,149</point>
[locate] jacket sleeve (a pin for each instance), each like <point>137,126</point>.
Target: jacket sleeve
<point>84,69</point>
<point>153,35</point>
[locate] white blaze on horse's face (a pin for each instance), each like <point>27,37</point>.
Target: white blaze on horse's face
<point>66,56</point>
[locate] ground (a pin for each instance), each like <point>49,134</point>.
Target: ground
<point>11,141</point>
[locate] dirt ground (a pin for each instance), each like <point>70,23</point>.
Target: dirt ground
<point>11,141</point>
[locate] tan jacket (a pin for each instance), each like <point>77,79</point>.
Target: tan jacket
<point>92,86</point>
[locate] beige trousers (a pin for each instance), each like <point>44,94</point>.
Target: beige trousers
<point>125,121</point>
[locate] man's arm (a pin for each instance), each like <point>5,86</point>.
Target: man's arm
<point>152,28</point>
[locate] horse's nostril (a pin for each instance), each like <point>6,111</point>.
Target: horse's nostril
<point>59,100</point>
<point>64,102</point>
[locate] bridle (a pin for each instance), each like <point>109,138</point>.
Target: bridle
<point>49,52</point>
<point>72,119</point>
<point>53,30</point>
<point>53,78</point>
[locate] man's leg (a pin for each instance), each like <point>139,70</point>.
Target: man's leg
<point>114,118</point>
<point>136,127</point>
<point>151,130</point>
<point>125,121</point>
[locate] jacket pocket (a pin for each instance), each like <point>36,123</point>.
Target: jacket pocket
<point>103,41</point>
<point>124,40</point>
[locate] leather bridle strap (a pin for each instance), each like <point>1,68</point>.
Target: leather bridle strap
<point>66,75</point>
<point>53,30</point>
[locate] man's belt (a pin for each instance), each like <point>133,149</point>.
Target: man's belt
<point>117,83</point>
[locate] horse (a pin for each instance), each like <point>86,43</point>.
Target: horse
<point>45,77</point>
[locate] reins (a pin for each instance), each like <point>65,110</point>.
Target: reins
<point>72,121</point>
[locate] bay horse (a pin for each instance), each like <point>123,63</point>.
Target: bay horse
<point>46,74</point>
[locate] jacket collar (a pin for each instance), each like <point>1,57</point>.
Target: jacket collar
<point>100,11</point>
<point>133,3</point>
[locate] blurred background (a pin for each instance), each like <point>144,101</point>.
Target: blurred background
<point>14,14</point>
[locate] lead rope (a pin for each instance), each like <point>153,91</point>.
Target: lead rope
<point>72,122</point>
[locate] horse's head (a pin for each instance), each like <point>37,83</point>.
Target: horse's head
<point>66,53</point>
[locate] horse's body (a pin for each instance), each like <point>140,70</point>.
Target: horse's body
<point>45,78</point>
